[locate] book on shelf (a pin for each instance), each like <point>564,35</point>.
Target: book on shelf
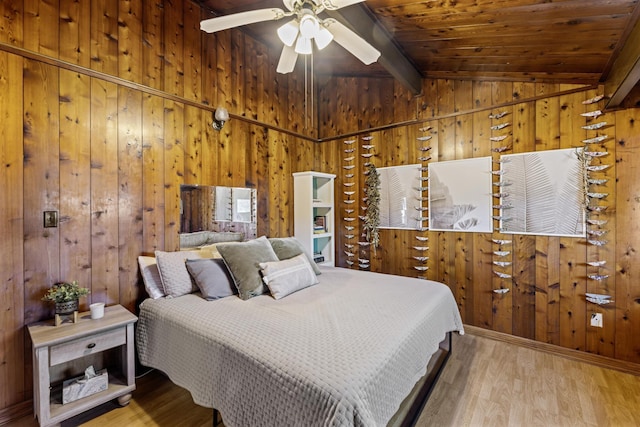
<point>320,224</point>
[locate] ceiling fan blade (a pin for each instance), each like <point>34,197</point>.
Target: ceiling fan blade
<point>288,59</point>
<point>349,40</point>
<point>337,4</point>
<point>243,18</point>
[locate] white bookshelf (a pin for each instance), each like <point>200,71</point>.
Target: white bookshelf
<point>313,197</point>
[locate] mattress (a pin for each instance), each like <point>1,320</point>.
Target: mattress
<point>344,352</point>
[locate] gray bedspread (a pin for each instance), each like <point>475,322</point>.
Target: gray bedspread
<point>344,352</point>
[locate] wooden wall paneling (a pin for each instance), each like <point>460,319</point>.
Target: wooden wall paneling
<point>173,57</point>
<point>464,142</point>
<point>11,27</point>
<point>41,182</point>
<point>41,27</point>
<point>104,36</point>
<point>501,93</point>
<point>211,46</point>
<point>130,40</point>
<point>75,179</point>
<point>259,148</point>
<point>130,195</point>
<point>153,49</point>
<point>12,375</point>
<point>174,114</point>
<point>479,305</point>
<point>75,24</point>
<point>601,340</point>
<point>104,192</point>
<point>627,292</point>
<point>547,248</point>
<point>191,52</point>
<point>446,151</point>
<point>573,271</point>
<point>153,148</point>
<point>329,121</point>
<point>192,145</point>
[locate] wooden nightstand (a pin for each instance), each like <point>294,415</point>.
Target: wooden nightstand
<point>65,351</point>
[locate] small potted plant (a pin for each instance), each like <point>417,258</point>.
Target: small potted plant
<point>65,295</point>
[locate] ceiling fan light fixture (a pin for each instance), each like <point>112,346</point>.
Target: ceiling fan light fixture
<point>288,33</point>
<point>323,38</point>
<point>309,25</point>
<point>303,46</point>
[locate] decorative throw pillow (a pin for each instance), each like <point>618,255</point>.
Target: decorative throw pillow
<point>212,277</point>
<point>210,251</point>
<point>288,247</point>
<point>173,272</point>
<point>242,260</point>
<point>192,240</point>
<point>286,277</point>
<point>151,276</point>
<point>224,236</point>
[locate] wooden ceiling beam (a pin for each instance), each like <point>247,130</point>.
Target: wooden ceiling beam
<point>362,21</point>
<point>625,72</point>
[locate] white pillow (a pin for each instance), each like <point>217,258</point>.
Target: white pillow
<point>151,276</point>
<point>287,276</point>
<point>176,280</point>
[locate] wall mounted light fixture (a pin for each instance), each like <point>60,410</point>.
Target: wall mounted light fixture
<point>221,115</point>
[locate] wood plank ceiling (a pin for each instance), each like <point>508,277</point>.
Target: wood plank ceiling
<point>573,41</point>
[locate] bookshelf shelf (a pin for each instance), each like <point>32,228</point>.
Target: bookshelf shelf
<point>314,221</point>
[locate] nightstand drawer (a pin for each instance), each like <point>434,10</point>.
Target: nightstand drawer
<point>84,346</point>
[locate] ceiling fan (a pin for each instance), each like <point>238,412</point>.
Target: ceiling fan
<point>298,33</point>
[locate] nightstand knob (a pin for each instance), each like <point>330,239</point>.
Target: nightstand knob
<point>91,345</point>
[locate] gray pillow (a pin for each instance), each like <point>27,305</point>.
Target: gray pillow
<point>212,277</point>
<point>243,259</point>
<point>173,272</point>
<point>288,276</point>
<point>288,247</point>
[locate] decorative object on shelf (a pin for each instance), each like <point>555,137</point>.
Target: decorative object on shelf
<point>367,146</point>
<point>593,100</point>
<point>501,149</point>
<point>502,275</point>
<point>502,263</point>
<point>501,253</point>
<point>372,193</point>
<point>500,126</point>
<point>501,291</point>
<point>596,263</point>
<point>498,115</point>
<point>595,139</point>
<point>599,299</point>
<point>91,382</point>
<point>498,138</point>
<point>65,295</point>
<point>501,241</point>
<point>595,126</point>
<point>593,114</point>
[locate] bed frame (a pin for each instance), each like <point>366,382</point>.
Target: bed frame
<point>413,404</point>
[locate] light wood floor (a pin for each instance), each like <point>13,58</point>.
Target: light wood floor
<point>485,383</point>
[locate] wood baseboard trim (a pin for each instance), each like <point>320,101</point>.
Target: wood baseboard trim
<point>580,356</point>
<point>13,412</point>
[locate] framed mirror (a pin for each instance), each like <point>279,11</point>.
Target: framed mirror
<point>219,209</point>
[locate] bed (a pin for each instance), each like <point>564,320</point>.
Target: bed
<point>344,352</point>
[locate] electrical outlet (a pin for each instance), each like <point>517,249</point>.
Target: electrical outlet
<point>596,320</point>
